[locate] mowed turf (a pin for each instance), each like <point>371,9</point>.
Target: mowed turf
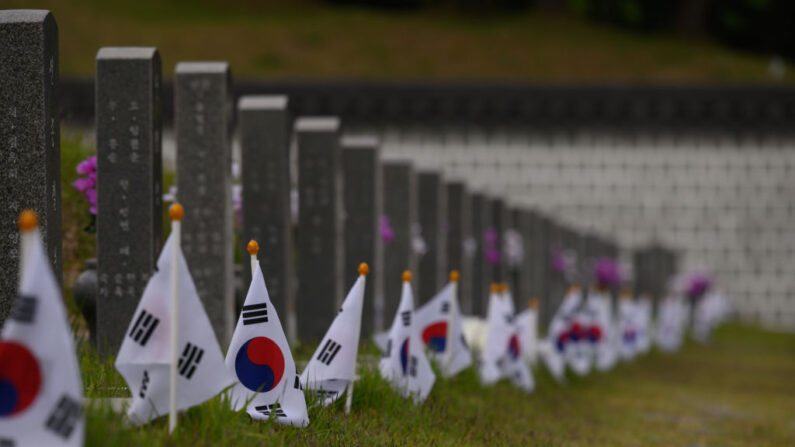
<point>308,39</point>
<point>737,391</point>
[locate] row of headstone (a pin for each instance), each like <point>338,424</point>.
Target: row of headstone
<point>352,206</point>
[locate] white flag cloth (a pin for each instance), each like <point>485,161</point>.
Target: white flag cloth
<point>259,357</point>
<point>145,356</point>
<point>404,363</point>
<point>579,350</point>
<point>643,309</point>
<point>628,328</point>
<point>527,324</point>
<point>332,367</point>
<point>554,348</point>
<point>670,323</point>
<point>446,343</point>
<point>601,331</point>
<point>41,394</point>
<point>502,356</point>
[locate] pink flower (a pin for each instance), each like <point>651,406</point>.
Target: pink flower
<point>387,233</point>
<point>87,166</point>
<point>83,184</point>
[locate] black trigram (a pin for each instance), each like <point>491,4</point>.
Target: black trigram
<point>144,384</point>
<point>508,318</point>
<point>24,309</point>
<point>297,383</point>
<point>5,442</point>
<point>64,417</point>
<point>413,366</point>
<point>255,313</point>
<point>327,394</point>
<point>406,317</point>
<point>276,409</point>
<point>445,307</point>
<point>329,351</point>
<point>388,350</point>
<point>464,341</point>
<point>191,356</point>
<point>144,325</point>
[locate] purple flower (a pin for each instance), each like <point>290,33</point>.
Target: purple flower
<point>698,283</point>
<point>237,203</point>
<point>88,184</point>
<point>83,184</point>
<point>607,273</point>
<point>387,233</point>
<point>491,246</point>
<point>87,166</point>
<point>559,262</point>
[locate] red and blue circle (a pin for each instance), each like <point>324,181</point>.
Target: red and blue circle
<point>514,348</point>
<point>594,334</point>
<point>20,378</point>
<point>435,336</point>
<point>259,364</point>
<point>404,356</point>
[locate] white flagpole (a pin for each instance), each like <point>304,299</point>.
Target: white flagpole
<point>176,213</point>
<point>253,249</point>
<point>364,269</point>
<point>28,223</point>
<point>452,311</point>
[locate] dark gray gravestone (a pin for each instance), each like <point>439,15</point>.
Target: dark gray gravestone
<point>361,169</point>
<point>459,231</point>
<point>265,155</point>
<point>500,223</point>
<point>129,168</point>
<point>537,255</point>
<point>432,217</point>
<point>321,253</point>
<point>30,147</point>
<point>400,213</point>
<point>517,268</point>
<point>555,284</point>
<point>482,271</point>
<point>203,122</point>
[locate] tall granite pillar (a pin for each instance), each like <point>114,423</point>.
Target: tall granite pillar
<point>459,231</point>
<point>321,255</point>
<point>538,257</point>
<point>500,223</point>
<point>400,214</point>
<point>203,118</point>
<point>482,269</point>
<point>361,168</point>
<point>556,280</point>
<point>129,190</point>
<point>432,216</point>
<point>30,145</point>
<point>265,164</point>
<point>517,268</point>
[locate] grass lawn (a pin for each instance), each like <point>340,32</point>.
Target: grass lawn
<point>306,39</point>
<point>737,391</point>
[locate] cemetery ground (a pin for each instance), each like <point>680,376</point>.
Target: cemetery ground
<point>302,38</point>
<point>736,391</point>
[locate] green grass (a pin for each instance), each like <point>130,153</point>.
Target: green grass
<point>737,391</point>
<point>308,39</point>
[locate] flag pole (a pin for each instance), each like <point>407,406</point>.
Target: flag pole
<point>253,249</point>
<point>176,213</point>
<point>364,269</point>
<point>448,346</point>
<point>28,223</point>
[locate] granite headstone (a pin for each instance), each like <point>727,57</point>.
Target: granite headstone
<point>129,190</point>
<point>30,146</point>
<point>459,234</point>
<point>321,253</point>
<point>432,218</point>
<point>400,214</point>
<point>264,123</point>
<point>482,269</point>
<point>361,168</point>
<point>203,115</point>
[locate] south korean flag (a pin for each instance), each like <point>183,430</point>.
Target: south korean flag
<point>41,394</point>
<point>600,333</point>
<point>553,351</point>
<point>441,330</point>
<point>502,355</point>
<point>514,364</point>
<point>144,359</point>
<point>267,383</point>
<point>332,367</point>
<point>404,363</point>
